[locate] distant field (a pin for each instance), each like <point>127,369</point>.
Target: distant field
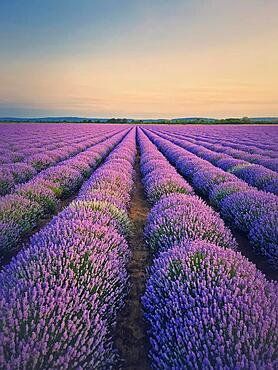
<point>151,246</point>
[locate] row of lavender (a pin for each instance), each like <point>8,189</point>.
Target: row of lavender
<point>60,296</point>
<point>206,305</point>
<point>246,209</point>
<point>254,174</point>
<point>24,148</point>
<point>265,158</point>
<point>30,161</point>
<point>260,140</point>
<point>264,143</point>
<point>20,141</point>
<point>21,211</point>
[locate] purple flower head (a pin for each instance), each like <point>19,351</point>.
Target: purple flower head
<point>220,192</point>
<point>241,209</point>
<point>230,163</point>
<point>105,196</point>
<point>271,163</point>
<point>41,161</point>
<point>5,158</point>
<point>190,220</point>
<point>69,293</point>
<point>80,165</point>
<point>271,186</point>
<point>9,236</point>
<point>39,193</point>
<point>6,182</point>
<point>256,175</point>
<point>188,166</point>
<point>154,165</point>
<point>88,208</point>
<point>20,215</point>
<point>213,157</point>
<point>209,307</point>
<point>20,210</point>
<point>204,181</point>
<point>67,179</point>
<point>160,186</point>
<point>263,236</point>
<point>21,172</point>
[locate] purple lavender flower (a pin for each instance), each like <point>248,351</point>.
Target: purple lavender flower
<point>241,209</point>
<point>154,164</point>
<point>41,161</point>
<point>220,192</point>
<point>271,186</point>
<point>271,163</point>
<point>5,158</point>
<point>80,165</point>
<point>39,193</point>
<point>256,175</point>
<point>230,163</point>
<point>89,208</point>
<point>188,166</point>
<point>21,172</point>
<point>9,236</point>
<point>164,185</point>
<point>20,211</point>
<point>159,177</point>
<point>190,220</point>
<point>71,288</point>
<point>204,181</point>
<point>263,236</point>
<point>65,177</point>
<point>209,307</point>
<point>6,183</point>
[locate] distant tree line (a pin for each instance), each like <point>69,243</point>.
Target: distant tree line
<point>197,121</point>
<point>180,121</point>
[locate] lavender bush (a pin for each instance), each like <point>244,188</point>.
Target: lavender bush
<point>263,236</point>
<point>241,209</point>
<point>209,308</point>
<point>190,220</point>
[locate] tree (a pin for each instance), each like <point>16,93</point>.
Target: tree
<point>245,120</point>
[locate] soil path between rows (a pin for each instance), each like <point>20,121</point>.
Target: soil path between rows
<point>130,333</point>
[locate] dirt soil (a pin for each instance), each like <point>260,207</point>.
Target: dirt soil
<point>130,333</point>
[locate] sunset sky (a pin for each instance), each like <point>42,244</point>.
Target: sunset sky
<point>139,58</point>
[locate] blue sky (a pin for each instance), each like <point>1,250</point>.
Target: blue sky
<point>138,58</point>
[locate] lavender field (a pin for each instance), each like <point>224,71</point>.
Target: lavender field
<point>138,247</point>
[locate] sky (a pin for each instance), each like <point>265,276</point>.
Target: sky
<point>139,58</point>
